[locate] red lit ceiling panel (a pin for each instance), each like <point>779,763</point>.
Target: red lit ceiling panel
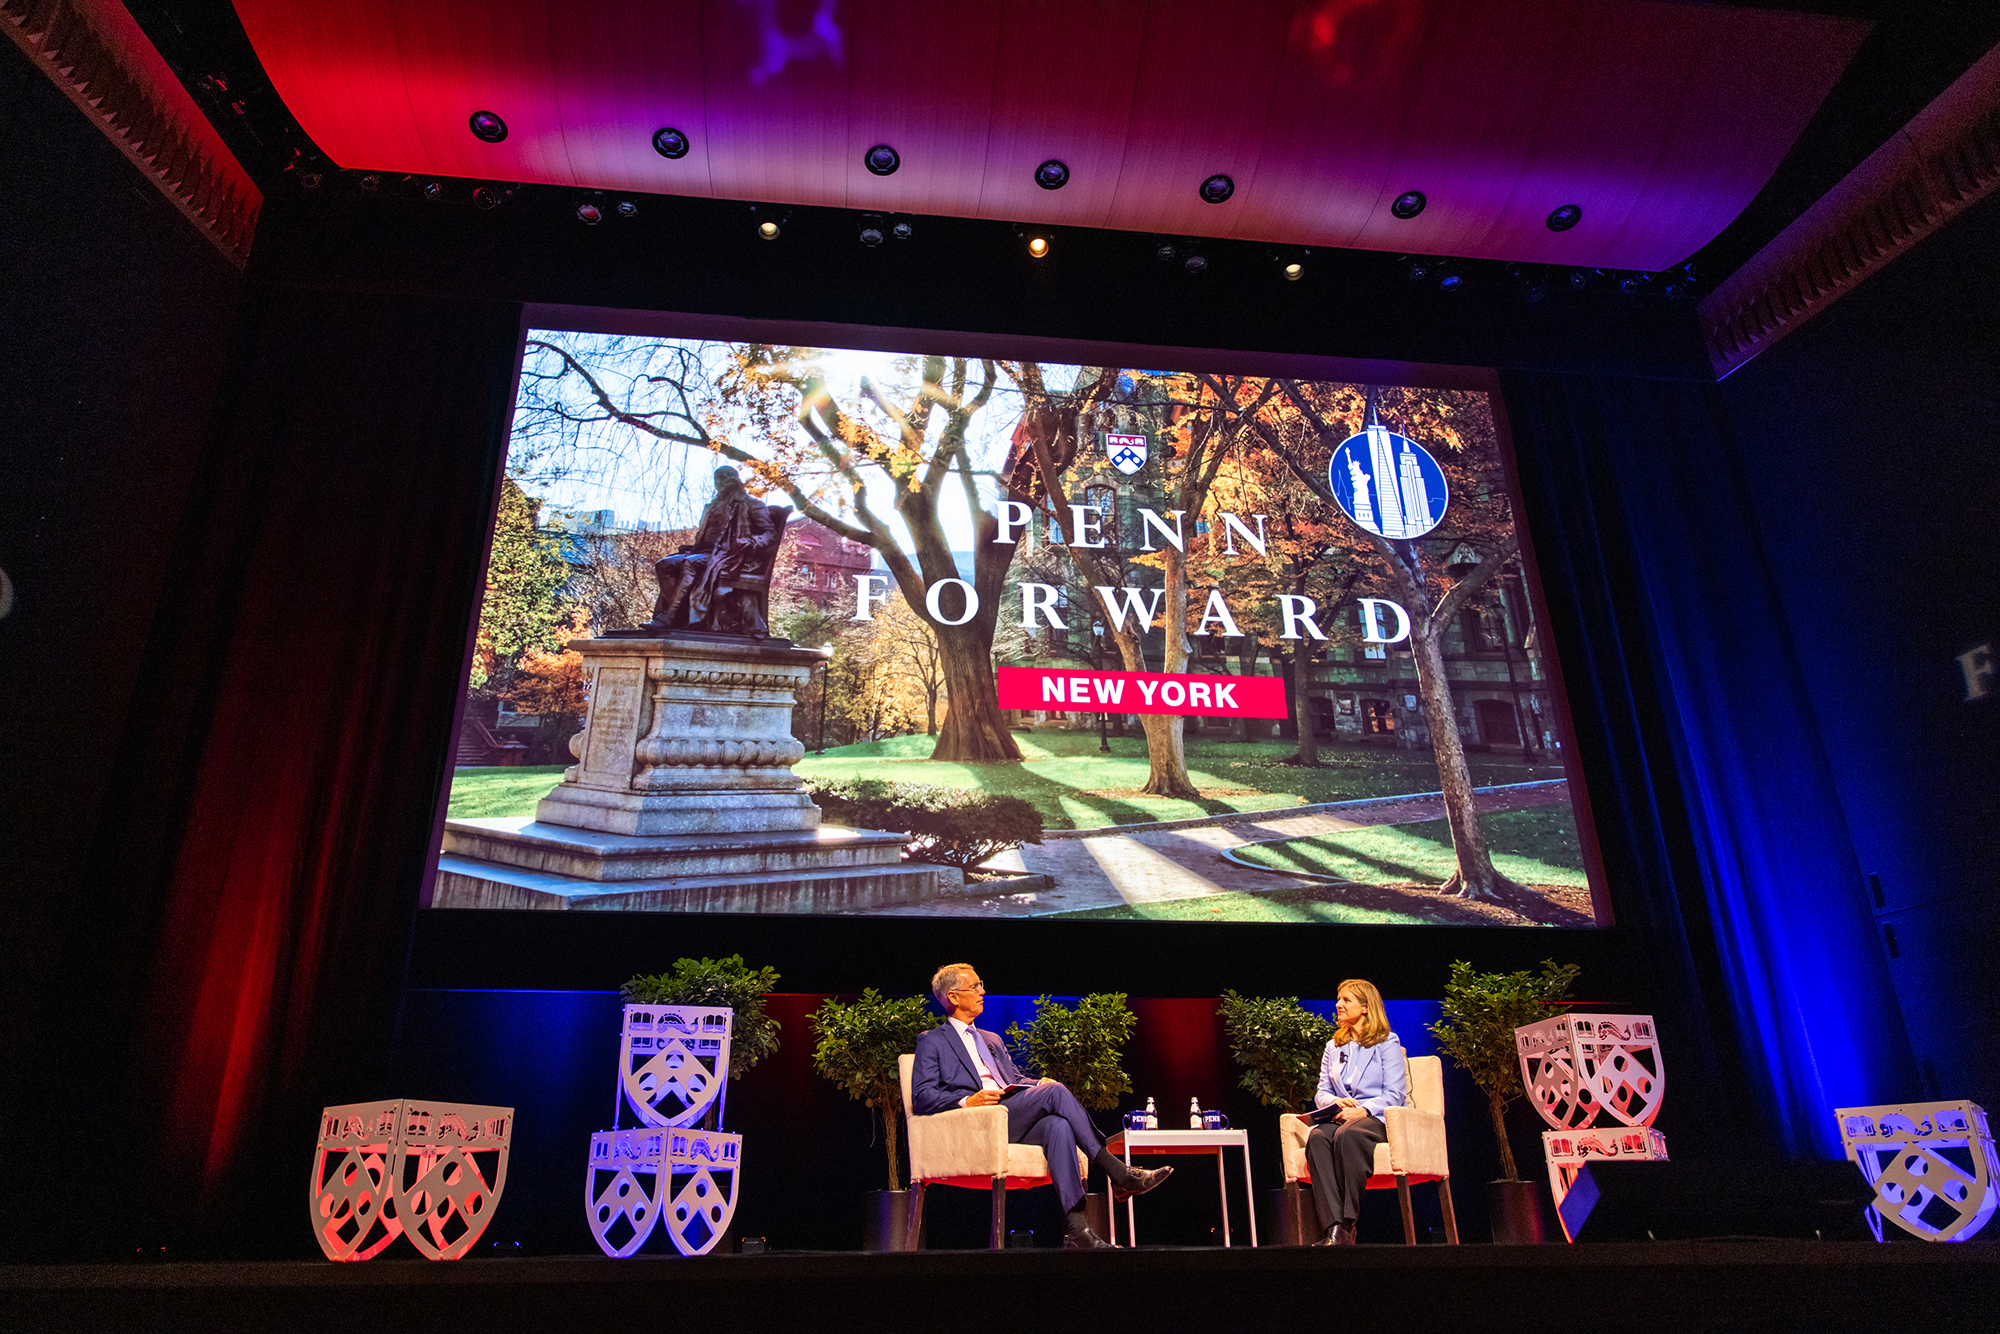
<point>1661,120</point>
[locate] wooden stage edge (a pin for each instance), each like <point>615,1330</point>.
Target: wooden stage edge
<point>1676,1285</point>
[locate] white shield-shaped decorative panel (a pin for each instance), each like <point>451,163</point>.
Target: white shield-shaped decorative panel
<point>1570,1151</point>
<point>353,1210</point>
<point>1127,453</point>
<point>448,1172</point>
<point>1618,1060</point>
<point>1548,1073</point>
<point>623,1187</point>
<point>673,1062</point>
<point>1932,1165</point>
<point>706,1167</point>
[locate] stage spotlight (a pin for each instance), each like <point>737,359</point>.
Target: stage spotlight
<point>1038,246</point>
<point>768,230</point>
<point>670,142</point>
<point>487,127</point>
<point>1451,282</point>
<point>1578,279</point>
<point>1294,271</point>
<point>1633,283</point>
<point>1408,204</point>
<point>882,160</point>
<point>311,180</point>
<point>1217,188</point>
<point>1052,175</point>
<point>433,191</point>
<point>371,182</point>
<point>486,197</point>
<point>589,213</point>
<point>1419,271</point>
<point>627,209</point>
<point>1195,263</point>
<point>870,234</point>
<point>1165,252</point>
<point>1566,217</point>
<point>1535,293</point>
<point>902,231</point>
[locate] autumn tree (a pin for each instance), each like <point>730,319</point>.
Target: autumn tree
<point>1431,577</point>
<point>521,609</point>
<point>772,410</point>
<point>1197,423</point>
<point>551,685</point>
<point>912,661</point>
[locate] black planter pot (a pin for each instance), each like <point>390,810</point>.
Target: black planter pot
<point>885,1220</point>
<point>1516,1210</point>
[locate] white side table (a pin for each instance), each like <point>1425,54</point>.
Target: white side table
<point>1128,1142</point>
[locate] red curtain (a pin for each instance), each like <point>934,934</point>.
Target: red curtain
<point>303,674</point>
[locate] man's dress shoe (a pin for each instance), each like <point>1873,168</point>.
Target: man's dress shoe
<point>1083,1239</point>
<point>1142,1180</point>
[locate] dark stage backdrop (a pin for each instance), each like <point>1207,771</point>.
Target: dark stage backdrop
<point>1871,433</point>
<point>297,706</point>
<point>1714,800</point>
<point>115,321</point>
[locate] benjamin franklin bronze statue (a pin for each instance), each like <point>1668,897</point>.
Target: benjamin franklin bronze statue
<point>736,537</point>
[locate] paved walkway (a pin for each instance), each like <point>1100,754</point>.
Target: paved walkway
<point>1184,860</point>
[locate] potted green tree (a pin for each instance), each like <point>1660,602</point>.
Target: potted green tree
<point>856,1045</point>
<point>1085,1049</point>
<point>1279,1043</point>
<point>1481,1012</point>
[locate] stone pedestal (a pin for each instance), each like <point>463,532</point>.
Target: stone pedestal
<point>683,797</point>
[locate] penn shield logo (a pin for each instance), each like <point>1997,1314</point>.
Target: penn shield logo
<point>1126,452</point>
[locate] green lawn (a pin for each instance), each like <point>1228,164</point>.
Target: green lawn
<point>1074,786</point>
<point>493,794</point>
<point>1536,846</point>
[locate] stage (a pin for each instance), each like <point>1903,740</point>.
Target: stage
<point>1711,1285</point>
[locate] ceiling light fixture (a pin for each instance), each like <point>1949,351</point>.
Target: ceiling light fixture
<point>768,230</point>
<point>589,213</point>
<point>627,209</point>
<point>1409,204</point>
<point>902,231</point>
<point>487,127</point>
<point>371,182</point>
<point>1566,217</point>
<point>1217,188</point>
<point>1052,175</point>
<point>670,142</point>
<point>1294,271</point>
<point>1165,252</point>
<point>871,234</point>
<point>1038,246</point>
<point>433,191</point>
<point>882,160</point>
<point>1195,263</point>
<point>489,197</point>
<point>1451,282</point>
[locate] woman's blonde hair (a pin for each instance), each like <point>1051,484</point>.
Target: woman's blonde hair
<point>1374,1025</point>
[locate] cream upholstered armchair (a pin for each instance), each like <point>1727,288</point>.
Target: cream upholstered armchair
<point>1413,1153</point>
<point>968,1147</point>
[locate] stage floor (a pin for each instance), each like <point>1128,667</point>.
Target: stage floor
<point>1721,1286</point>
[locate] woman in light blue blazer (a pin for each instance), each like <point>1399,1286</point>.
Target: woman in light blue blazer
<point>1363,1074</point>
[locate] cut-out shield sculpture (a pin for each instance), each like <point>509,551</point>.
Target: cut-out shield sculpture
<point>1570,1151</point>
<point>1932,1165</point>
<point>353,1209</point>
<point>706,1168</point>
<point>673,1063</point>
<point>448,1173</point>
<point>622,1188</point>
<point>432,1171</point>
<point>1575,1065</point>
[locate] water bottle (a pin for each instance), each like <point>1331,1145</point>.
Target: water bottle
<point>1152,1117</point>
<point>1194,1114</point>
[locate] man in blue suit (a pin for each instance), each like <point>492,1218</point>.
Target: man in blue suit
<point>958,1065</point>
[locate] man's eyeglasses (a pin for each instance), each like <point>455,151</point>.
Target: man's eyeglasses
<point>979,987</point>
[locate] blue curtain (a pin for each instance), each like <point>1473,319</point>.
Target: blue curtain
<point>1729,858</point>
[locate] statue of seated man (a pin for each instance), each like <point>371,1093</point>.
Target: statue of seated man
<point>735,537</point>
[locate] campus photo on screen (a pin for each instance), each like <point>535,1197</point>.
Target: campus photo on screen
<point>924,634</point>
